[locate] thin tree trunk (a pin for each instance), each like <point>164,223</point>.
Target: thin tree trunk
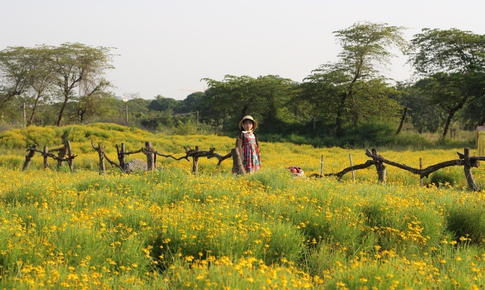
<point>61,112</point>
<point>403,119</point>
<point>338,119</point>
<point>451,114</point>
<point>34,110</point>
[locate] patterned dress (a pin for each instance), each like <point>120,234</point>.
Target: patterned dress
<point>250,157</point>
<point>481,143</point>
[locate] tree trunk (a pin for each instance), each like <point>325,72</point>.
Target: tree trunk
<point>338,119</point>
<point>61,112</point>
<point>451,114</point>
<point>403,119</point>
<point>34,109</point>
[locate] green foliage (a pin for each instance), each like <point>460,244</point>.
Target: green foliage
<point>444,178</point>
<point>186,128</point>
<point>13,139</point>
<point>410,141</point>
<point>369,134</point>
<point>466,221</point>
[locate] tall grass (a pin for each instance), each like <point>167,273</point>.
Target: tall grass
<point>170,229</point>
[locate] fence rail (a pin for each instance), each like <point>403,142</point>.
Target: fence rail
<point>379,162</point>
<point>65,155</point>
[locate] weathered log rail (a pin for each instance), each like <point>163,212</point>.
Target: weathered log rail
<point>379,161</point>
<point>151,155</point>
<point>64,154</point>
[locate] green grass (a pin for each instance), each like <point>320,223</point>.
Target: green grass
<point>170,229</point>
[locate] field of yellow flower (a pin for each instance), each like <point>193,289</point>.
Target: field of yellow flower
<point>171,229</point>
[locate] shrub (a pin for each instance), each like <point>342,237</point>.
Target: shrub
<point>467,223</point>
<point>442,178</point>
<point>370,134</point>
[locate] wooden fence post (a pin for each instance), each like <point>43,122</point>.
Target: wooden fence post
<point>121,155</point>
<point>69,155</point>
<point>237,166</point>
<point>29,156</point>
<point>195,162</point>
<point>468,173</point>
<point>421,168</point>
<point>102,167</point>
<point>150,156</point>
<point>380,167</point>
<point>321,166</point>
<point>44,154</point>
<point>60,155</point>
<point>352,166</point>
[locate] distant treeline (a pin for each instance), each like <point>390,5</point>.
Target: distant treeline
<point>347,102</point>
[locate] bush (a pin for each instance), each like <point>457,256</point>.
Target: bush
<point>442,178</point>
<point>467,223</point>
<point>370,134</point>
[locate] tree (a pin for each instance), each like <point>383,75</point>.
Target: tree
<point>163,104</point>
<point>101,105</point>
<point>16,65</point>
<point>447,92</point>
<point>348,86</point>
<point>78,66</point>
<point>423,115</point>
<point>451,61</point>
<point>191,102</point>
<point>447,51</point>
<point>41,81</point>
<point>235,97</point>
<point>474,110</point>
<point>69,72</point>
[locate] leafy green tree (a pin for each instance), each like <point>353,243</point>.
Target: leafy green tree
<point>451,61</point>
<point>16,74</point>
<point>422,114</point>
<point>320,94</point>
<point>353,88</point>
<point>447,92</point>
<point>163,104</point>
<point>447,51</point>
<point>137,109</point>
<point>81,67</point>
<point>41,81</point>
<point>234,97</point>
<point>191,102</point>
<point>68,72</point>
<point>100,106</point>
<point>474,109</point>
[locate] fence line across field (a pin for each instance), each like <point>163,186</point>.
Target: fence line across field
<point>464,160</point>
<point>65,155</point>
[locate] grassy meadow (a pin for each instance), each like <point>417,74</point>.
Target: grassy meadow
<point>170,229</point>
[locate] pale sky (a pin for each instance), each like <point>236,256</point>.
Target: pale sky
<point>166,47</point>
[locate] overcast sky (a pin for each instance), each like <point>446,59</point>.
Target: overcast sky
<point>166,47</point>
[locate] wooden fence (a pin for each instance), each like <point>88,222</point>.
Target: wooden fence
<point>151,155</point>
<point>380,162</point>
<point>65,155</point>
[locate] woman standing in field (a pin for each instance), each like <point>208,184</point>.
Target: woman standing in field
<point>480,138</point>
<point>247,145</point>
